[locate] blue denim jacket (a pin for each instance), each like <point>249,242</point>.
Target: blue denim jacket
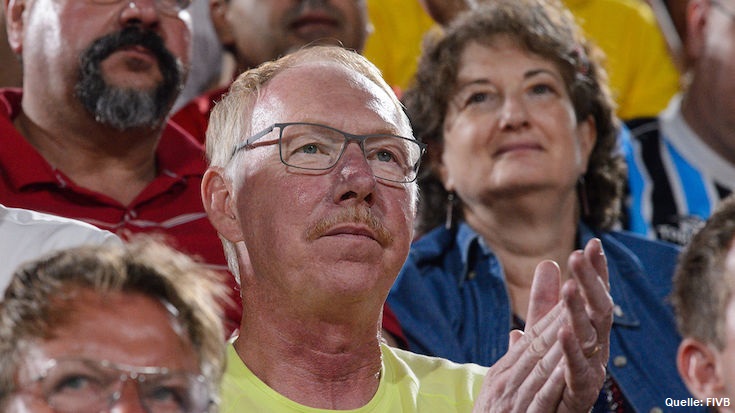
<point>451,301</point>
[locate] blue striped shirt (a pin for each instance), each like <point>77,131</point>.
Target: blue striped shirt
<point>674,179</point>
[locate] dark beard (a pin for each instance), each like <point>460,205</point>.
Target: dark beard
<point>124,108</point>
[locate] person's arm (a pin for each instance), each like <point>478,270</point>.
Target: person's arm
<point>558,363</point>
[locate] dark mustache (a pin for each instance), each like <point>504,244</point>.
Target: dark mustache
<point>104,46</point>
<point>352,215</point>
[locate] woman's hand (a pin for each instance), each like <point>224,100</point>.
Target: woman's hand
<point>558,363</point>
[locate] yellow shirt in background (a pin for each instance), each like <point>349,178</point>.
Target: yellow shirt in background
<point>408,383</point>
<point>642,75</point>
<point>395,44</point>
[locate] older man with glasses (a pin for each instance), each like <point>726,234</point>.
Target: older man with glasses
<point>88,136</point>
<point>311,187</point>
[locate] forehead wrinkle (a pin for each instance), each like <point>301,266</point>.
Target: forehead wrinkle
<point>276,96</point>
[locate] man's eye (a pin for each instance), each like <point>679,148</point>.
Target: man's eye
<point>385,156</point>
<point>165,395</point>
<point>309,148</point>
<point>77,384</point>
<point>170,397</point>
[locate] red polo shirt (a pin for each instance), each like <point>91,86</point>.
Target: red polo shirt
<point>171,204</point>
<point>194,116</point>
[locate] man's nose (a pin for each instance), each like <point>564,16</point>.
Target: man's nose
<point>357,181</point>
<point>354,162</point>
<point>129,400</point>
<point>143,12</point>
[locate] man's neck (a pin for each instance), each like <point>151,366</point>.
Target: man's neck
<point>97,157</point>
<point>314,363</point>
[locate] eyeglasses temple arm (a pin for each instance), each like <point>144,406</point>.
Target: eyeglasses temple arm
<point>252,139</point>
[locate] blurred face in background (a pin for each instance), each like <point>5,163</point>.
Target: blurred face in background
<point>124,61</point>
<point>71,366</point>
<point>256,31</point>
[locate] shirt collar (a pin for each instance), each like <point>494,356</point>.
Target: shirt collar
<point>471,247</point>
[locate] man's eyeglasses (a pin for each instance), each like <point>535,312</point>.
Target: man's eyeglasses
<point>719,6</point>
<point>77,385</point>
<point>170,7</point>
<point>312,146</point>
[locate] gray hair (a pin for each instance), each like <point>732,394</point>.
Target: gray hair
<point>230,120</point>
<point>145,266</point>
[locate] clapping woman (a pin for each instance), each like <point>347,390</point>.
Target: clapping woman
<point>523,166</point>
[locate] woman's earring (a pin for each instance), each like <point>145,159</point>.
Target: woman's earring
<point>450,211</point>
<point>582,191</point>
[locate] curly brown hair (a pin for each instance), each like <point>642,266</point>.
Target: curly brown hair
<point>546,29</point>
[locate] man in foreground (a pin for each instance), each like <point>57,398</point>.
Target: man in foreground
<point>311,188</point>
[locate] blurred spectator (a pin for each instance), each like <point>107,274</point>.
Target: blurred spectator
<point>705,309</point>
<point>682,163</point>
<point>89,133</point>
<point>111,328</point>
<point>256,31</point>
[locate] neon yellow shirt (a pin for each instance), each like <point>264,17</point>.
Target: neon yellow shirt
<point>409,383</point>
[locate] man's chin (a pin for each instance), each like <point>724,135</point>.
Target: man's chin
<point>127,108</point>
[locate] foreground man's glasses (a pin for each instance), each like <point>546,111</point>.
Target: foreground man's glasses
<point>311,146</point>
<point>77,385</point>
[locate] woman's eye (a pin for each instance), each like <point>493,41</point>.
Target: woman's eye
<point>541,89</point>
<point>477,98</point>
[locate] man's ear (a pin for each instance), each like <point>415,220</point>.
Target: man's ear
<point>219,202</point>
<point>218,14</point>
<point>696,24</point>
<point>14,19</point>
<point>699,368</point>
